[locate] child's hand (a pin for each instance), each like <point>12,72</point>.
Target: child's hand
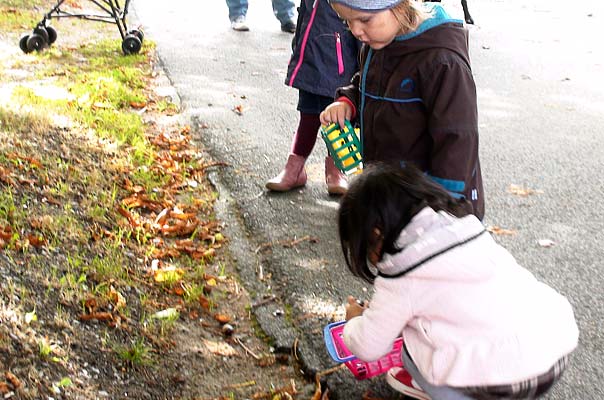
<point>338,111</point>
<point>354,308</point>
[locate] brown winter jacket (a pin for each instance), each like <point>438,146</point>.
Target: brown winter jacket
<point>416,102</point>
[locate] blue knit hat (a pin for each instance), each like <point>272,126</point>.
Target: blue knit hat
<point>368,5</point>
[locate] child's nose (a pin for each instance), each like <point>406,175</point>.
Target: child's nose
<point>356,29</point>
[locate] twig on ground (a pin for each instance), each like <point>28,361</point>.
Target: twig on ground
<point>330,370</point>
<point>264,301</point>
<point>241,385</point>
<point>215,164</point>
<point>295,348</point>
<point>250,352</point>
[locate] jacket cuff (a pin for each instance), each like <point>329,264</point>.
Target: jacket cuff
<point>346,100</point>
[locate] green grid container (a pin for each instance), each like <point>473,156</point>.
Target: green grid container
<point>344,147</point>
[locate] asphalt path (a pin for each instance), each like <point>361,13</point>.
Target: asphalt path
<point>539,69</point>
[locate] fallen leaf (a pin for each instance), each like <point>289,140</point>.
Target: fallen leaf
<point>13,380</point>
<point>117,299</point>
<point>220,348</point>
<point>204,302</point>
<point>169,274</point>
<point>35,240</point>
<point>223,319</point>
<point>521,191</point>
<point>128,215</point>
<point>238,109</point>
<point>4,389</point>
<point>497,230</point>
<point>90,304</point>
<point>138,105</point>
<point>100,316</point>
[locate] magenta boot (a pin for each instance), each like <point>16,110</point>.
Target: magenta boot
<point>337,184</point>
<point>292,176</point>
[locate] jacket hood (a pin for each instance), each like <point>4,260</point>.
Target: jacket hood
<point>428,235</point>
<point>431,35</point>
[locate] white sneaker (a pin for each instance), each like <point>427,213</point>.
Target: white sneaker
<point>401,381</point>
<point>238,24</point>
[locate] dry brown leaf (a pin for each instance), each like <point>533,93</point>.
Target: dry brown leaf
<point>181,228</point>
<point>182,215</point>
<point>13,380</point>
<point>6,233</point>
<point>4,389</point>
<point>116,298</point>
<point>220,348</point>
<point>497,230</point>
<point>128,215</point>
<point>100,316</point>
<point>35,240</point>
<point>90,305</point>
<point>204,302</point>
<point>179,290</point>
<point>223,319</point>
<point>520,191</point>
<point>238,109</point>
<point>138,104</point>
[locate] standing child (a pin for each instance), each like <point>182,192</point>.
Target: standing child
<point>324,58</point>
<point>475,324</point>
<point>415,97</point>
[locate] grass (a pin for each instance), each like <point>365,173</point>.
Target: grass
<point>136,355</point>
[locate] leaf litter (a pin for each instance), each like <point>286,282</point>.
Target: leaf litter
<point>127,274</point>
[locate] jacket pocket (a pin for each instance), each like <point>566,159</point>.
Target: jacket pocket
<point>339,54</point>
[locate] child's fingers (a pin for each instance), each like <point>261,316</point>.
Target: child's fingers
<point>344,113</point>
<point>323,118</point>
<point>336,112</point>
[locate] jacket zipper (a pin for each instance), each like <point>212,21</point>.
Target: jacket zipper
<point>304,41</point>
<point>339,54</point>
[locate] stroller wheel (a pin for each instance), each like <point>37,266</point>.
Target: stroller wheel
<point>23,44</point>
<point>35,42</point>
<point>138,33</point>
<point>41,30</point>
<point>52,34</point>
<point>131,44</point>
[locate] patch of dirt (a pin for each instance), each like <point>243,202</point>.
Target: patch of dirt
<point>74,328</point>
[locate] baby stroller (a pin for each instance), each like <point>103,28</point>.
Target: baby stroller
<point>44,35</point>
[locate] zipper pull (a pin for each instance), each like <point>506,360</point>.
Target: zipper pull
<point>339,54</point>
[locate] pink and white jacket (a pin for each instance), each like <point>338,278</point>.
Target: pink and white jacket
<point>468,313</point>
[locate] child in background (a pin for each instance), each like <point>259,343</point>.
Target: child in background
<point>324,58</point>
<point>414,97</point>
<point>475,324</point>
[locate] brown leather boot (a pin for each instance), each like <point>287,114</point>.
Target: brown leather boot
<point>337,184</point>
<point>292,176</point>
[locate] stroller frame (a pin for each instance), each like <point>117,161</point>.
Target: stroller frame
<point>112,12</point>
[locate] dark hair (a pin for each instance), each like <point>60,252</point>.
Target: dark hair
<point>386,197</point>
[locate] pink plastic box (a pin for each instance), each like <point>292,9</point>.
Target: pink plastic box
<point>334,341</point>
